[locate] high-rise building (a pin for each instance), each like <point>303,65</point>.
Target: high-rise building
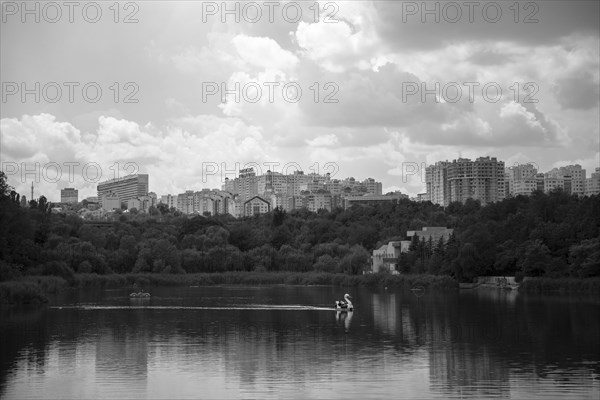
<point>592,184</point>
<point>185,202</point>
<point>435,181</point>
<point>462,179</point>
<point>211,201</point>
<point>521,180</point>
<point>296,183</point>
<point>571,178</point>
<point>169,200</point>
<point>271,182</point>
<point>69,195</point>
<point>245,185</point>
<point>319,201</point>
<point>372,186</point>
<point>125,188</point>
<point>297,190</point>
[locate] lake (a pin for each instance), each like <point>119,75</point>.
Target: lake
<point>287,342</point>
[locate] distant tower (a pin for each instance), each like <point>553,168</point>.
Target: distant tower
<point>31,190</point>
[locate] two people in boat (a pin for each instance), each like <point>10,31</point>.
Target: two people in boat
<point>345,304</point>
<point>138,292</point>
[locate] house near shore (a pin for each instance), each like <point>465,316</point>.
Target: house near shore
<point>385,258</point>
<point>433,233</point>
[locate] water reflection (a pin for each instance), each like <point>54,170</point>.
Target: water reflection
<point>466,345</point>
<point>344,318</point>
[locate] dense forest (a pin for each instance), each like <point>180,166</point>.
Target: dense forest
<point>544,235</point>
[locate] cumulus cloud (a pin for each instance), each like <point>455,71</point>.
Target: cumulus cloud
<point>363,60</point>
<point>324,140</point>
<point>578,92</point>
<point>179,150</point>
<point>264,52</point>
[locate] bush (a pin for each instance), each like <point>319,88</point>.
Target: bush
<point>567,285</point>
<point>58,268</point>
<point>85,267</point>
<point>21,292</point>
<point>10,271</point>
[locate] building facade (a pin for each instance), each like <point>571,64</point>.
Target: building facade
<point>111,202</point>
<point>125,188</point>
<point>69,195</point>
<point>592,184</point>
<point>521,180</point>
<point>371,199</point>
<point>462,179</point>
<point>255,206</point>
<point>170,200</point>
<point>433,233</point>
<point>571,178</point>
<point>385,258</point>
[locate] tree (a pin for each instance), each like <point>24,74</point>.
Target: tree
<point>281,235</point>
<point>163,208</point>
<point>5,188</point>
<point>467,263</point>
<point>326,263</point>
<point>535,258</point>
<point>43,205</point>
<point>585,258</point>
<point>356,261</point>
<point>279,216</point>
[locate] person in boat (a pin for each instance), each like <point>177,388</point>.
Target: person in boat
<point>345,304</point>
<point>139,293</point>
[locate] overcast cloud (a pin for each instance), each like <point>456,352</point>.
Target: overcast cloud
<point>358,114</point>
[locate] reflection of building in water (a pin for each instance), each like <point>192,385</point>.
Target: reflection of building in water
<point>470,372</point>
<point>384,313</point>
<point>392,319</point>
<point>122,355</point>
<point>458,366</point>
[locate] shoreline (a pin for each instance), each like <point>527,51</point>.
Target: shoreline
<point>35,289</point>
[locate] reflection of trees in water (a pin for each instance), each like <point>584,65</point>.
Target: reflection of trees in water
<point>474,339</point>
<point>14,327</point>
<point>471,339</point>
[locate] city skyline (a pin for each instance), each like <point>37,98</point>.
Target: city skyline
<point>440,186</point>
<point>161,76</point>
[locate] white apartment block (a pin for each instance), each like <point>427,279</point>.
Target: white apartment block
<point>520,180</point>
<point>69,195</point>
<point>170,200</point>
<point>573,179</point>
<point>592,184</point>
<point>435,181</point>
<point>319,201</point>
<point>211,201</point>
<point>110,202</point>
<point>125,188</point>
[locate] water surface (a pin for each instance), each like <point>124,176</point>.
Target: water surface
<point>287,341</point>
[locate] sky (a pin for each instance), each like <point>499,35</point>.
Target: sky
<point>189,92</point>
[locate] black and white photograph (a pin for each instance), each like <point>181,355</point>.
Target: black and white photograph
<point>300,199</point>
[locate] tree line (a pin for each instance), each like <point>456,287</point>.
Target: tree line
<point>550,235</point>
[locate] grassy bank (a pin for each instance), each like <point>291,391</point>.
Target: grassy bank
<point>566,285</point>
<point>34,289</point>
<point>31,289</point>
<point>264,278</point>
